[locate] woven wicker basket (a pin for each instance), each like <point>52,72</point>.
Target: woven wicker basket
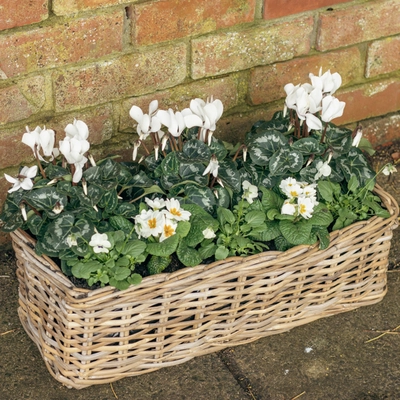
<point>93,337</point>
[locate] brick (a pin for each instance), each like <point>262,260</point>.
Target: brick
<point>281,8</point>
<point>383,56</point>
<point>238,50</point>
<point>266,83</point>
<point>20,101</point>
<point>177,18</point>
<point>130,75</point>
<point>12,150</point>
<point>12,14</point>
<point>382,130</point>
<point>224,89</point>
<point>370,100</point>
<point>58,45</point>
<point>360,23</point>
<point>65,7</point>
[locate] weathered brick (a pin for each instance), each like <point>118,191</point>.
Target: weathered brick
<point>12,150</point>
<point>382,130</point>
<point>20,101</point>
<point>65,7</point>
<point>370,100</point>
<point>266,83</point>
<point>277,9</point>
<point>12,14</point>
<point>383,56</point>
<point>52,46</point>
<point>359,23</point>
<point>130,75</point>
<point>171,19</point>
<point>224,89</point>
<point>233,51</point>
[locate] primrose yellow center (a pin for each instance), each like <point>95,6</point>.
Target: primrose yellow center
<point>176,212</point>
<point>303,209</point>
<point>152,223</point>
<point>293,193</point>
<point>168,230</point>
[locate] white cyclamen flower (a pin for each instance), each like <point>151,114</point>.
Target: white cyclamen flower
<point>78,130</point>
<point>73,150</point>
<point>323,169</point>
<point>23,180</point>
<point>290,187</point>
<point>175,212</point>
<point>100,243</point>
<point>328,83</point>
<point>146,123</point>
<point>155,204</point>
<point>208,233</point>
<point>71,240</point>
<point>40,139</point>
<point>331,108</point>
<point>168,229</point>
<point>389,169</point>
<point>357,138</point>
<point>250,191</point>
<point>288,207</point>
<point>212,167</point>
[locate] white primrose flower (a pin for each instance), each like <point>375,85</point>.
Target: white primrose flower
<point>305,207</point>
<point>149,223</point>
<point>310,192</point>
<point>168,229</point>
<point>146,123</point>
<point>212,167</point>
<point>357,138</point>
<point>323,169</point>
<point>175,212</point>
<point>250,191</point>
<point>389,169</point>
<point>156,204</point>
<point>290,187</point>
<point>331,108</point>
<point>288,207</point>
<point>23,180</point>
<point>100,243</point>
<point>208,233</point>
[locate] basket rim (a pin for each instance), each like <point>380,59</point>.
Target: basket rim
<point>389,202</point>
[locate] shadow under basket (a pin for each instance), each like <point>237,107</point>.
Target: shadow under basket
<point>89,337</point>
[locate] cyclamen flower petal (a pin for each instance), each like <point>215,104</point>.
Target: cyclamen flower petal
<point>212,167</point>
<point>323,169</point>
<point>357,138</point>
<point>23,180</point>
<point>331,108</point>
<point>313,122</point>
<point>78,130</point>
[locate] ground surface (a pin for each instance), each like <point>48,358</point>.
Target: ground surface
<point>327,359</point>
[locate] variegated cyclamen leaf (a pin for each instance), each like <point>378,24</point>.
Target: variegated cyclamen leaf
<point>193,171</point>
<point>110,169</point>
<point>229,174</point>
<point>355,163</point>
<point>196,150</point>
<point>223,197</point>
<point>285,160</point>
<point>338,139</point>
<point>307,146</point>
<point>217,147</point>
<point>259,155</point>
<point>170,164</point>
<point>45,198</point>
<point>200,195</point>
<point>270,140</point>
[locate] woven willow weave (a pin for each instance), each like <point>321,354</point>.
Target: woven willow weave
<point>94,337</point>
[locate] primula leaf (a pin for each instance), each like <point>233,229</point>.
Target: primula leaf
<point>271,200</point>
<point>164,248</point>
<point>188,256</point>
<point>323,236</point>
<point>183,228</point>
<point>321,216</point>
<point>225,215</point>
<point>134,248</point>
<point>255,218</point>
<point>271,232</point>
<point>295,233</point>
<point>157,264</point>
<point>84,269</point>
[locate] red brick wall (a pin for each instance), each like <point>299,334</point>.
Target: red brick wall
<point>93,59</point>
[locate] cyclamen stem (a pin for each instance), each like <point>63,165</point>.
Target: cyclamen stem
<point>323,134</point>
<point>39,164</point>
<point>32,208</point>
<point>237,152</point>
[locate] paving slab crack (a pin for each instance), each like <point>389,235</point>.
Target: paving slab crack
<point>227,356</point>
